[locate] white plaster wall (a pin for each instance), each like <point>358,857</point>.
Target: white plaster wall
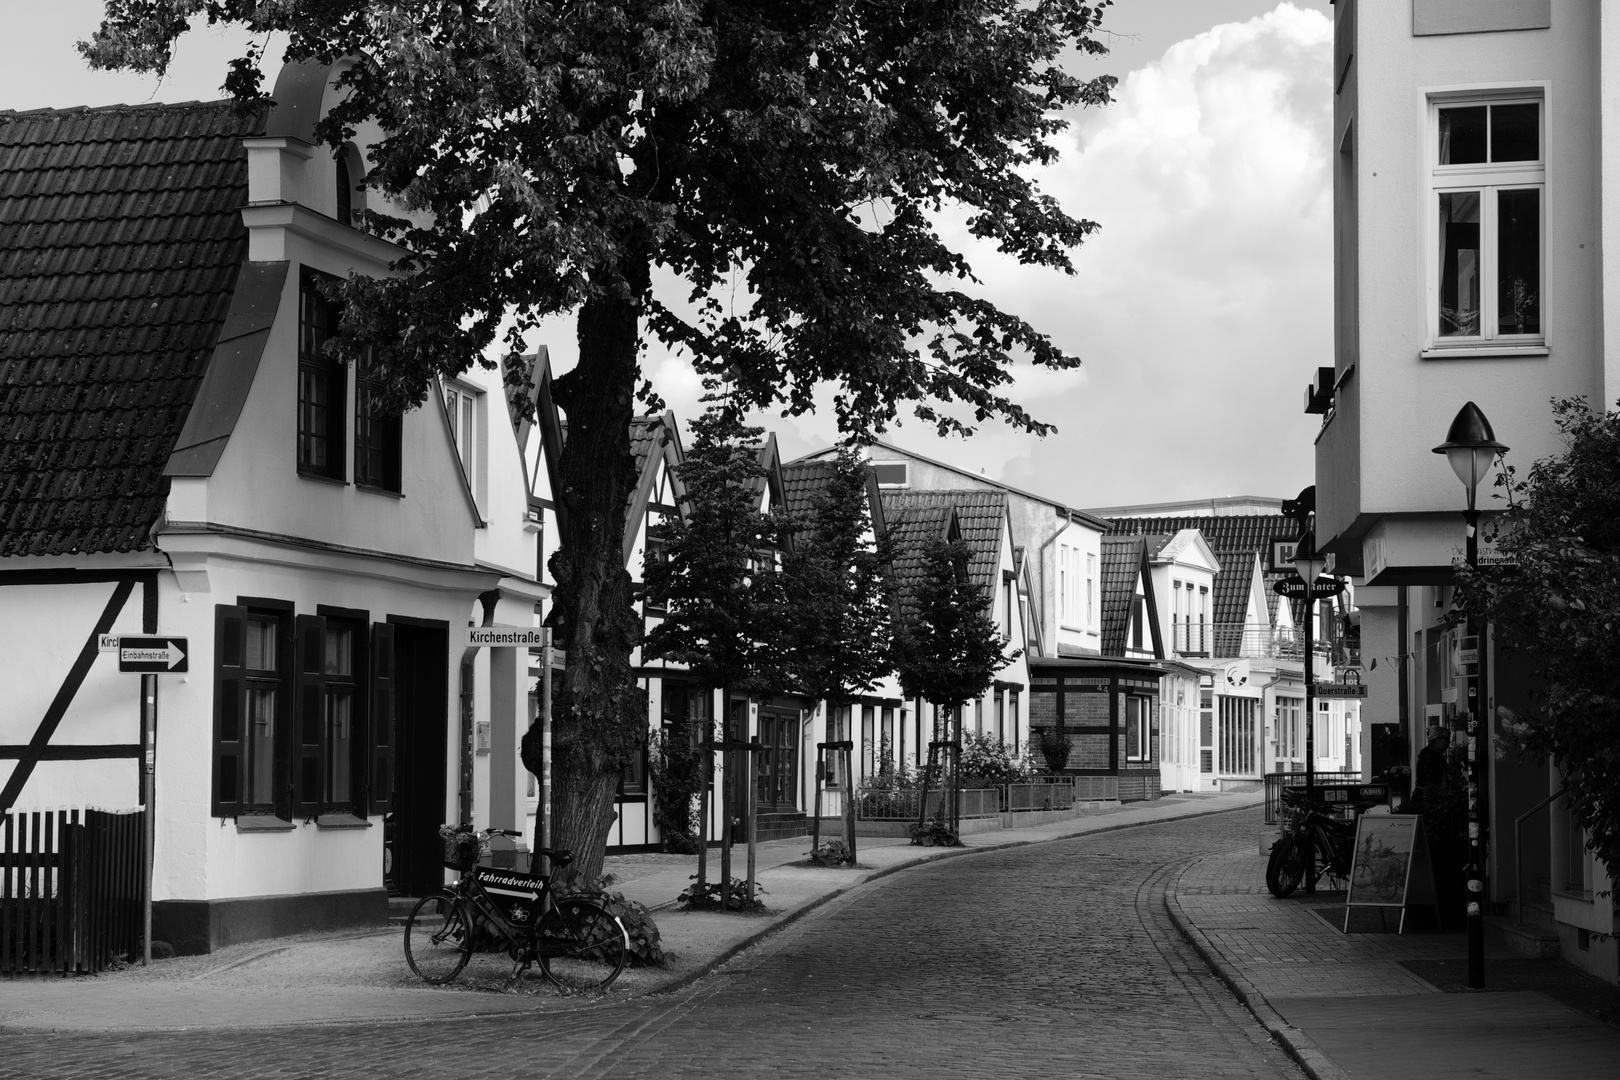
<point>1407,403</point>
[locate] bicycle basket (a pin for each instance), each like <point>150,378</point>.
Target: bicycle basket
<point>461,851</point>
<point>515,896</point>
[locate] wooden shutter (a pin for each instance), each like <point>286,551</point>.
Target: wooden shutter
<point>379,781</point>
<point>230,709</point>
<point>309,717</point>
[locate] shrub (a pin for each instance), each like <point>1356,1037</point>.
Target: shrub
<point>832,853</point>
<point>646,945</point>
<point>986,763</point>
<point>935,833</point>
<point>710,898</point>
<point>1055,747</point>
<point>677,777</point>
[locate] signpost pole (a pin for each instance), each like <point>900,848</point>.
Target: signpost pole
<point>1478,738</point>
<point>545,748</point>
<point>1310,728</point>
<point>148,844</point>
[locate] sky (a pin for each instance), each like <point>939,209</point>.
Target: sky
<point>1199,310</point>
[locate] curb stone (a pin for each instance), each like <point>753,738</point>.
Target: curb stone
<point>1317,1065</point>
<point>738,947</point>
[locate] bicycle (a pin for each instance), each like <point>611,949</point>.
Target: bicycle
<point>579,945</point>
<point>1307,827</point>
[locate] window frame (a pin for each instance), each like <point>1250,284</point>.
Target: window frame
<point>1488,179</point>
<point>461,404</point>
<point>1138,735</point>
<point>312,363</point>
<point>376,432</point>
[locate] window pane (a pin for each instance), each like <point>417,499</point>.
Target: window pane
<point>339,731</point>
<point>1462,135</point>
<point>1515,134</point>
<point>261,645</point>
<point>261,745</point>
<point>1459,264</point>
<point>339,651</point>
<point>1518,304</point>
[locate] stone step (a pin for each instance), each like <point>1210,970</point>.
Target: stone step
<point>1526,940</point>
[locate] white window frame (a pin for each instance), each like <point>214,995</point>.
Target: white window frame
<point>463,404</point>
<point>1069,588</point>
<point>1488,179</point>
<point>1091,578</point>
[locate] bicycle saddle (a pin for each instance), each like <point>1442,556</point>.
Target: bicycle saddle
<point>559,858</point>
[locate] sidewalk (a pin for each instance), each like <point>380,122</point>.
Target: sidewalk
<point>1368,1005</point>
<point>361,977</point>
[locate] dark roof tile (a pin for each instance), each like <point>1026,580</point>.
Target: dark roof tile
<point>1235,539</point>
<point>120,242</point>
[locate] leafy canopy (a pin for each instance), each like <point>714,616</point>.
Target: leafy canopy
<point>789,157</point>
<point>715,569</point>
<point>838,615</point>
<point>1557,597</point>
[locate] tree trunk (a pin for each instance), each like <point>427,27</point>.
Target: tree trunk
<point>600,712</point>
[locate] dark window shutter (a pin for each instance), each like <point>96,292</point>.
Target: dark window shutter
<point>309,717</point>
<point>380,782</point>
<point>230,704</point>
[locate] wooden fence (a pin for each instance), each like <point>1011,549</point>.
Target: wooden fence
<point>70,889</point>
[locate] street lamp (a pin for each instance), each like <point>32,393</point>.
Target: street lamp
<point>1309,564</point>
<point>1471,447</point>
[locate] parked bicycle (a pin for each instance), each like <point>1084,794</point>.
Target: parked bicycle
<point>579,945</point>
<point>1308,827</point>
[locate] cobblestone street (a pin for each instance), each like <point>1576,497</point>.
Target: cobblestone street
<point>1055,959</point>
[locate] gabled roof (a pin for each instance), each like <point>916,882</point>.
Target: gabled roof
<point>981,517</point>
<point>1124,564</point>
<point>121,240</point>
<point>804,481</point>
<point>653,440</point>
<point>910,530</point>
<point>1236,541</point>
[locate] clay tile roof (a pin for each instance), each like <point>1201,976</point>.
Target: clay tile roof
<point>1236,541</point>
<point>1121,566</point>
<point>980,516</point>
<point>802,484</point>
<point>910,528</point>
<point>120,241</point>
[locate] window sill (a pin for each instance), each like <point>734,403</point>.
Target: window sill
<point>341,821</point>
<point>263,823</point>
<point>322,479</point>
<point>1580,896</point>
<point>377,490</point>
<point>1480,351</point>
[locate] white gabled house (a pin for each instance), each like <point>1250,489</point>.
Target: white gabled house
<point>184,460</point>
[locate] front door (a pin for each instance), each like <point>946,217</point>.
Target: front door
<point>415,852</point>
<point>777,773</point>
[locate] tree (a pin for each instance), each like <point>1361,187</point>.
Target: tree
<point>1554,596</point>
<point>948,649</point>
<point>838,616</point>
<point>788,157</point>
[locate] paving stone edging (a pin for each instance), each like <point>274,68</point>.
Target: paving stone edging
<point>1294,1042</point>
<point>935,855</point>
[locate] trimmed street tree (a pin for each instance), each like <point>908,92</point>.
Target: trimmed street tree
<point>948,650</point>
<point>1555,596</point>
<point>791,156</point>
<point>838,616</point>
<point>717,577</point>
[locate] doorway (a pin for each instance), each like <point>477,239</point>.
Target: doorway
<point>415,852</point>
<point>777,777</point>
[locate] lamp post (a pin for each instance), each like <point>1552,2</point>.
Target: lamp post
<point>1309,564</point>
<point>1471,447</point>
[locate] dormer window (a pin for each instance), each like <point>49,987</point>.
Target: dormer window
<point>321,382</point>
<point>377,433</point>
<point>891,474</point>
<point>351,198</point>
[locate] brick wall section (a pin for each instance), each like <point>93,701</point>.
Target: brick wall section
<point>1088,752</point>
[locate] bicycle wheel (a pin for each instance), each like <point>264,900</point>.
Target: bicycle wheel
<point>583,946</point>
<point>437,944</point>
<point>1285,871</point>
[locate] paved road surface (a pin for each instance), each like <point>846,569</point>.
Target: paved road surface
<point>1051,960</point>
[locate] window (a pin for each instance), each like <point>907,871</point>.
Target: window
<point>1290,735</point>
<point>1487,185</point>
<point>837,731</point>
<point>1139,623</point>
<point>1237,736</point>
<point>1001,719</point>
<point>1138,728</point>
<point>351,196</point>
<point>886,741</point>
<point>461,405</point>
<point>1091,573</point>
<point>891,473</point>
<point>1206,729</point>
<point>1012,713</point>
<point>377,433</point>
<point>1070,589</point>
<point>868,740</point>
<point>303,713</point>
<point>321,381</point>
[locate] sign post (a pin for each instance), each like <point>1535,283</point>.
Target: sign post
<point>1310,592</point>
<point>544,838</point>
<point>149,797</point>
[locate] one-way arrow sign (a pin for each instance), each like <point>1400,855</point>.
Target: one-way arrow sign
<point>164,655</point>
<point>1296,588</point>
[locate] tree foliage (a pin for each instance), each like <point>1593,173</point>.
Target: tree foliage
<point>949,651</point>
<point>780,164</point>
<point>1556,596</point>
<point>716,574</point>
<point>838,615</point>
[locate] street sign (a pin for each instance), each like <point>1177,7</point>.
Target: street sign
<point>1341,689</point>
<point>559,658</point>
<point>1293,587</point>
<point>505,637</point>
<point>1282,554</point>
<point>149,655</point>
<point>107,642</point>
